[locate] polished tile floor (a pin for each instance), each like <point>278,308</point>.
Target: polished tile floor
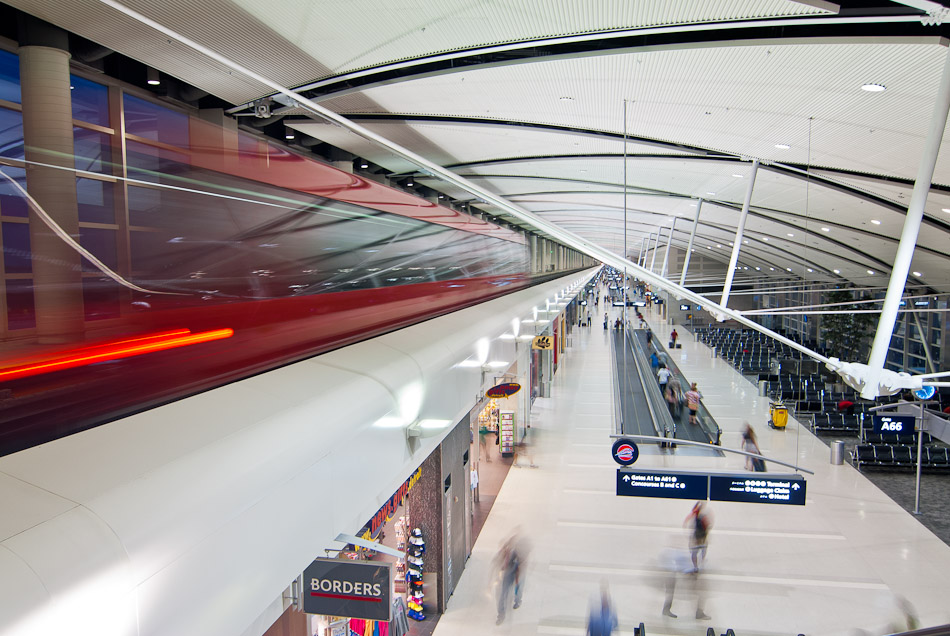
<point>834,566</point>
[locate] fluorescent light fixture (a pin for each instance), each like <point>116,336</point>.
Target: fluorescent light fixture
<point>434,423</point>
<point>737,176</point>
<point>498,364</point>
<point>947,210</point>
<point>526,336</point>
<point>469,364</point>
<point>875,222</point>
<point>507,336</point>
<point>826,229</point>
<point>873,88</point>
<point>528,321</point>
<point>810,270</point>
<point>836,271</point>
<point>543,322</point>
<point>782,146</point>
<point>790,235</point>
<point>871,272</point>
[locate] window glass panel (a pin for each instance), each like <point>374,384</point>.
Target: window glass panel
<point>101,243</point>
<point>155,122</point>
<point>93,150</point>
<point>9,77</point>
<point>100,298</point>
<point>144,206</point>
<point>90,101</point>
<point>16,248</point>
<point>95,201</point>
<point>12,202</point>
<point>155,165</point>
<point>11,134</point>
<point>20,311</point>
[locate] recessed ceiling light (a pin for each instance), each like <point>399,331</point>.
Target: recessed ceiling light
<point>873,88</point>
<point>837,271</point>
<point>758,269</point>
<point>708,247</point>
<point>871,272</point>
<point>810,269</point>
<point>765,238</point>
<point>737,176</point>
<point>945,209</point>
<point>782,146</point>
<point>917,274</point>
<point>826,229</point>
<point>711,193</point>
<point>875,222</point>
<point>746,242</point>
<point>790,234</point>
<point>771,269</point>
<point>718,245</point>
<point>789,268</point>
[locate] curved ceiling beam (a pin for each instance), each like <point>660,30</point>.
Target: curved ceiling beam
<point>707,34</point>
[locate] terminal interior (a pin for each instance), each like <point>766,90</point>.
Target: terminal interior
<point>575,317</point>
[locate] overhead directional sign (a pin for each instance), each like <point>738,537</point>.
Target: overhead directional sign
<point>893,424</point>
<point>662,484</point>
<point>543,342</point>
<point>776,489</point>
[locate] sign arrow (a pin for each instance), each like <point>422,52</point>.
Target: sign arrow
<point>626,477</point>
<point>795,486</point>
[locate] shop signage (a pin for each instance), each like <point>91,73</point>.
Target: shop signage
<point>893,424</point>
<point>662,484</point>
<point>925,392</point>
<point>389,508</point>
<point>684,307</point>
<point>785,489</point>
<point>354,589</point>
<point>545,343</point>
<point>503,390</point>
<point>625,451</point>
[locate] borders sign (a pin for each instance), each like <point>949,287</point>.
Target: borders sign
<point>339,587</point>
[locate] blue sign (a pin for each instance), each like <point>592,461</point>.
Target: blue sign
<point>625,451</point>
<point>786,489</point>
<point>925,392</point>
<point>661,484</point>
<point>893,424</point>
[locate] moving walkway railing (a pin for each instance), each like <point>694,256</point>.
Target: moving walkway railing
<point>706,421</point>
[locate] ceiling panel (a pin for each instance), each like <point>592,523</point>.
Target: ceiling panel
<point>394,30</point>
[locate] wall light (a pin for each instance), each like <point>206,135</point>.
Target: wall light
<point>152,77</point>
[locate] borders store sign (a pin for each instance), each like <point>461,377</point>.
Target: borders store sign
<point>338,587</point>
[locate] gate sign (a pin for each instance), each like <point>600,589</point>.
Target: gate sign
<point>503,390</point>
<point>625,451</point>
<point>545,343</point>
<point>662,484</point>
<point>340,587</point>
<point>786,489</point>
<point>893,424</point>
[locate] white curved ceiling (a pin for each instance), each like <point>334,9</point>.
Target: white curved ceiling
<point>707,86</point>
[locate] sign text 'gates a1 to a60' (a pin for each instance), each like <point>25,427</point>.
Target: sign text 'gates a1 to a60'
<point>787,489</point>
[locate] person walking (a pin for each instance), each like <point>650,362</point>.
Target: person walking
<point>603,619</point>
<point>606,321</point>
<point>673,337</point>
<point>649,337</point>
<point>663,375</point>
<point>699,523</point>
<point>588,319</point>
<point>750,445</point>
<point>693,396</point>
<point>654,361</point>
<point>511,561</point>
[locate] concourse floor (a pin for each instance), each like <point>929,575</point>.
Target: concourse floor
<point>834,566</point>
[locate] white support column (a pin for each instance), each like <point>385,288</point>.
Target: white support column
<point>666,256</point>
<point>656,248</point>
<point>689,248</point>
<point>908,242</point>
<point>730,273</point>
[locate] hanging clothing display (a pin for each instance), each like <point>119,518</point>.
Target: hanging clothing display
<point>399,626</point>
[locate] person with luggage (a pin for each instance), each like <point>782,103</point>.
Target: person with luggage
<point>672,399</point>
<point>693,396</point>
<point>750,445</point>
<point>673,337</point>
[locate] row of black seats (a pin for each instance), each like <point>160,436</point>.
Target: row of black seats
<point>835,423</point>
<point>900,456</point>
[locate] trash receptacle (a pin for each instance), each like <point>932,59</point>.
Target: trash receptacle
<point>763,387</point>
<point>837,452</point>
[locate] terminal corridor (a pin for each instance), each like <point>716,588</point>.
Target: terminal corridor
<point>832,567</point>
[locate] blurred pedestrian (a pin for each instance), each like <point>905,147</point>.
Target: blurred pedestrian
<point>673,337</point>
<point>677,564</point>
<point>663,376</point>
<point>511,561</point>
<point>603,619</point>
<point>699,523</point>
<point>649,337</point>
<point>654,361</point>
<point>672,399</point>
<point>693,396</point>
<point>751,445</point>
